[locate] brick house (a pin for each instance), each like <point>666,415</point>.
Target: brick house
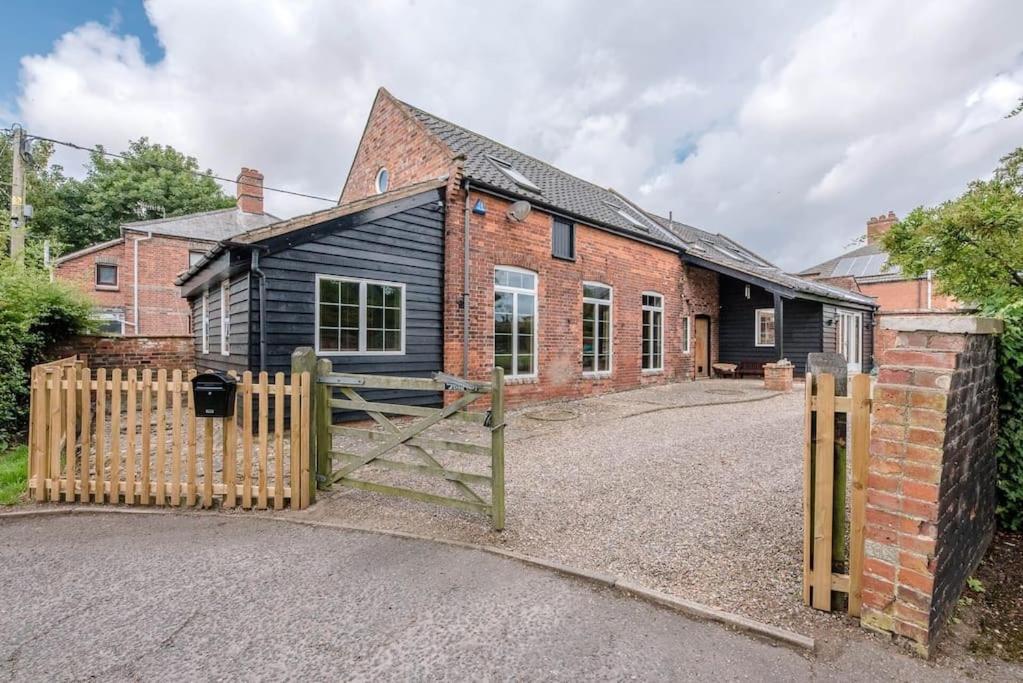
<point>131,278</point>
<point>866,270</point>
<point>450,251</point>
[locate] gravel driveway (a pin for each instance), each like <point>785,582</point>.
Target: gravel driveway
<point>701,501</point>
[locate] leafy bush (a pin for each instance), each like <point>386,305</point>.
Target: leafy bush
<point>1010,429</point>
<point>34,314</point>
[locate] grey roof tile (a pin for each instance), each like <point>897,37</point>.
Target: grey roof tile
<point>557,188</point>
<point>212,226</point>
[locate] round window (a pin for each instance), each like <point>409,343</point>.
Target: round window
<point>382,179</point>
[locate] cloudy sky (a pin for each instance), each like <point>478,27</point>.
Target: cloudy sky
<point>783,124</point>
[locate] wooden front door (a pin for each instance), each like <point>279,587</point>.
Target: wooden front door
<point>701,346</point>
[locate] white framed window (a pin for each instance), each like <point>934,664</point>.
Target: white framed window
<point>515,321</point>
<point>194,256</point>
<point>597,305</point>
<point>653,331</point>
<point>514,174</point>
<point>365,317</point>
<point>205,322</point>
<point>109,321</point>
<point>225,318</point>
<point>383,180</point>
<point>764,332</point>
<point>687,335</point>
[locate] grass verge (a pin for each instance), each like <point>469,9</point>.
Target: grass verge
<point>13,475</point>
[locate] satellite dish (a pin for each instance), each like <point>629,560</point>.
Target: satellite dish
<point>519,210</point>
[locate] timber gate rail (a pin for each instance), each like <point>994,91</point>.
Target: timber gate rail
<point>134,438</point>
<point>833,560</point>
<point>393,437</point>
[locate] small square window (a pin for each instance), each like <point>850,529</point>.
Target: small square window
<point>563,239</point>
<point>194,256</point>
<point>106,275</point>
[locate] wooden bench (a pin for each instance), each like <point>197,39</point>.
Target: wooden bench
<point>749,368</point>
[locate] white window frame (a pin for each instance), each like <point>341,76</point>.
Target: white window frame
<point>110,316</point>
<point>850,321</point>
<point>206,322</point>
<point>758,314</point>
<point>516,291</point>
<point>362,316</point>
<point>687,335</point>
<point>376,182</point>
<point>609,302</point>
<point>659,340</point>
<point>225,318</point>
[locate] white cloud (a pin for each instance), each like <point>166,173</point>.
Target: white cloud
<point>784,124</point>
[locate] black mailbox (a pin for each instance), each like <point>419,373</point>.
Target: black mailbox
<point>214,395</point>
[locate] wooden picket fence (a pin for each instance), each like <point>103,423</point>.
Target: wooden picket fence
<point>826,571</point>
<point>132,438</point>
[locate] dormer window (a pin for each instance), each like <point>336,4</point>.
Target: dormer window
<point>514,175</point>
<point>382,181</point>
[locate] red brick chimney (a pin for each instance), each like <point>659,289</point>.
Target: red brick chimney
<point>250,191</point>
<point>876,227</point>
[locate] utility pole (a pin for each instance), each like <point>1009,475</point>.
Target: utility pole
<point>17,195</point>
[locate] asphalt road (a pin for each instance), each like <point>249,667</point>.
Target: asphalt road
<point>118,597</point>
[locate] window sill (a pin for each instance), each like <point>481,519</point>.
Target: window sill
<point>764,346</point>
<point>597,375</point>
<point>653,371</point>
<point>519,379</point>
<point>108,288</point>
<point>334,354</point>
<point>563,258</point>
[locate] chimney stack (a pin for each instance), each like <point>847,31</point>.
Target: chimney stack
<point>878,226</point>
<point>250,191</point>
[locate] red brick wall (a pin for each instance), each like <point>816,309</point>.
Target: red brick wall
<point>701,296</point>
<point>628,266</point>
<point>169,352</point>
<point>931,482</point>
<point>162,311</point>
<point>907,295</point>
<point>397,142</point>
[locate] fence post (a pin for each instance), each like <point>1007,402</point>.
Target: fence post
<point>322,419</point>
<point>303,359</point>
<point>497,447</point>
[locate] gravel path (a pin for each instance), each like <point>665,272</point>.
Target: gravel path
<point>702,501</point>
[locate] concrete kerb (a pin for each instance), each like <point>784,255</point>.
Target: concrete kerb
<point>693,610</point>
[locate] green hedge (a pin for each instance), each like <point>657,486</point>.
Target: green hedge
<point>35,313</point>
<point>1010,427</point>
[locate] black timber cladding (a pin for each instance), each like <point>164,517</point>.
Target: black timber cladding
<point>808,326</point>
<point>402,241</point>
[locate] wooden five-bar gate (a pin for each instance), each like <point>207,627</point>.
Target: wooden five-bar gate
<point>134,438</point>
<point>393,440</point>
<point>835,427</point>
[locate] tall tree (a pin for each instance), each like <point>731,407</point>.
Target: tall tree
<point>973,244</point>
<point>145,182</point>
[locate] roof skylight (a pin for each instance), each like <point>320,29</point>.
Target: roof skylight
<point>514,175</point>
<point>627,216</point>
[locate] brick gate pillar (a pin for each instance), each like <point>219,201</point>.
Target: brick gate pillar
<point>931,486</point>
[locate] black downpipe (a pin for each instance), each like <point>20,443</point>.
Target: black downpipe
<point>465,286</point>
<point>262,309</point>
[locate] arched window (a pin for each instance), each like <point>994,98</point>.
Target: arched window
<point>515,321</point>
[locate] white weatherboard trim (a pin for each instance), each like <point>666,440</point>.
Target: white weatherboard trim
<point>609,303</point>
<point>362,316</point>
<point>516,292</point>
<point>660,337</point>
<point>756,327</point>
<point>225,318</point>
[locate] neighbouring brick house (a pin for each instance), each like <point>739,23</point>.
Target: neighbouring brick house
<point>449,251</point>
<point>866,270</point>
<point>131,278</point>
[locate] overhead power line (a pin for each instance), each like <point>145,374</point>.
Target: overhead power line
<point>104,152</point>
